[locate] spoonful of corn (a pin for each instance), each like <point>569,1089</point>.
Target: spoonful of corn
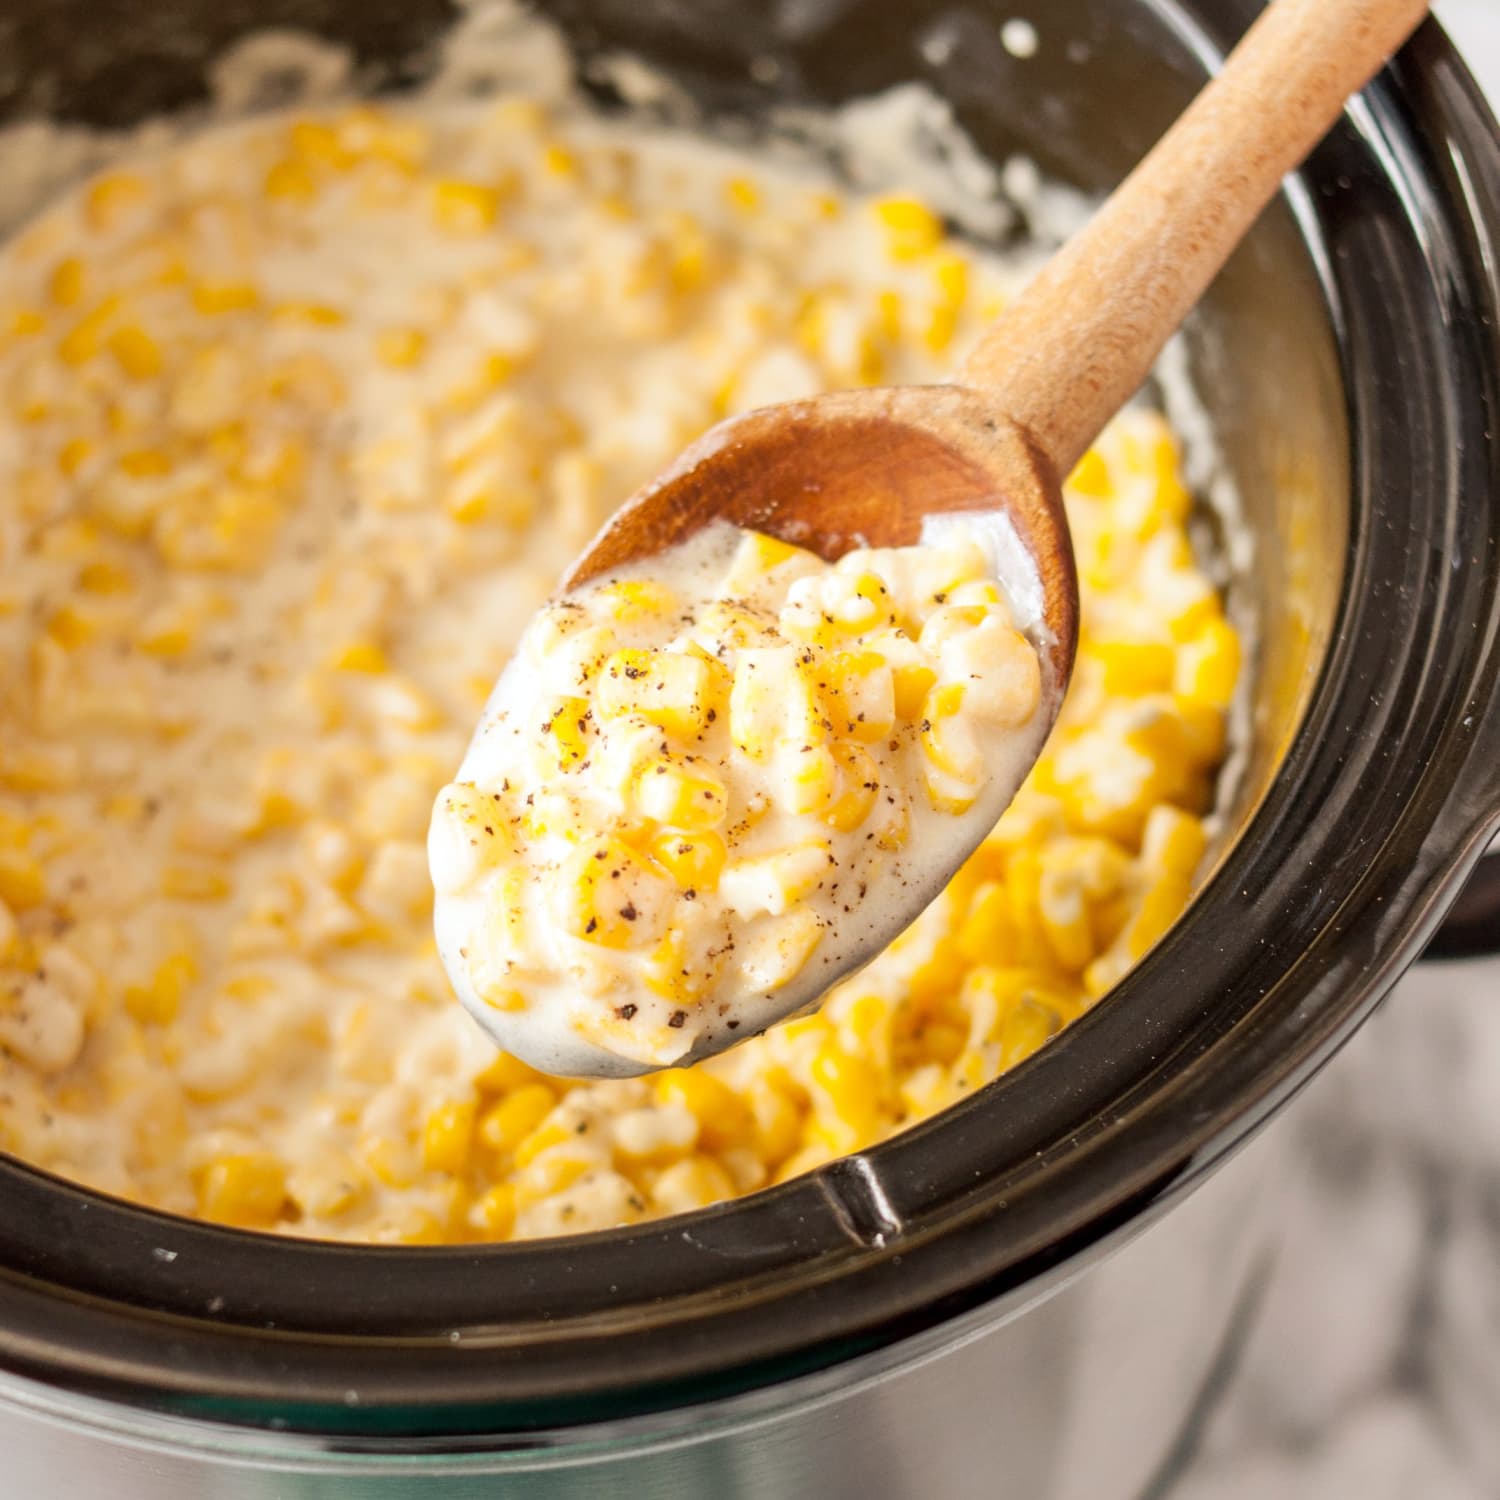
<point>795,681</point>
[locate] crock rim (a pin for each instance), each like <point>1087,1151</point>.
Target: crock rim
<point>107,1298</point>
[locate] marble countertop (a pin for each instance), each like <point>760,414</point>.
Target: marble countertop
<point>1373,1370</point>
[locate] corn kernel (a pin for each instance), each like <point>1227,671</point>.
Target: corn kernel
<point>67,282</point>
<point>724,1119</point>
<point>495,1212</point>
<point>693,1183</point>
<point>247,1190</point>
<point>212,298</point>
<point>290,181</point>
<point>111,198</point>
<point>465,207</point>
<point>22,881</point>
<point>365,657</point>
<point>400,348</point>
<point>158,1002</point>
<point>139,354</point>
<point>194,883</point>
<point>682,694</point>
<point>694,861</point>
<point>912,230</point>
<point>680,793</point>
<point>447,1138</point>
<point>1208,666</point>
<point>609,895</point>
<point>517,1116</point>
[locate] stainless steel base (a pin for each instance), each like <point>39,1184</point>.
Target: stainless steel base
<point>1079,1396</point>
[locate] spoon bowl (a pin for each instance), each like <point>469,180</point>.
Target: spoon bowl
<point>866,469</point>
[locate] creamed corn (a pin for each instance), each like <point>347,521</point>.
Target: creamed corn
<point>302,420</point>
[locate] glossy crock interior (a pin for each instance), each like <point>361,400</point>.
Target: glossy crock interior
<point>1349,327</point>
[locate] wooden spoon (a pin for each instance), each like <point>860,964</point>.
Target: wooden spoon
<point>866,467</point>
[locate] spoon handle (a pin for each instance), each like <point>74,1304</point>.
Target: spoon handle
<point>1078,342</point>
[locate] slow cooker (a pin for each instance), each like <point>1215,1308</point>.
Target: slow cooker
<point>1026,1295</point>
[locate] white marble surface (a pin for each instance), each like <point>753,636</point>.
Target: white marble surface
<point>1373,1370</point>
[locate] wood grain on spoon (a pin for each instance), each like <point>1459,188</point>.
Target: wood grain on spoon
<point>865,467</point>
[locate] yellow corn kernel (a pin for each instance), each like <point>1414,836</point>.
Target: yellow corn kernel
<point>400,348</point>
<point>694,1182</point>
<point>724,1119</point>
<point>681,793</point>
<point>24,322</point>
<point>852,1089</point>
<point>911,684</point>
<point>858,786</point>
<point>773,704</point>
<point>947,740</point>
<point>360,656</point>
<point>681,693</point>
<point>40,768</point>
<point>1173,842</point>
<point>611,896</point>
<point>565,731</point>
<point>319,142</point>
<point>168,631</point>
<point>448,1137</point>
<point>194,883</point>
<point>1133,667</point>
<point>559,161</point>
<point>86,338</point>
<point>23,883</point>
<point>73,455</point>
<point>543,1177</point>
<point>145,463</point>
<point>328,1187</point>
<point>247,1190</point>
<point>290,181</point>
<point>212,298</point>
<point>10,934</point>
<point>861,693</point>
<point>983,935</point>
<point>413,1226</point>
<point>694,861</point>
<point>234,534</point>
<point>811,778</point>
<point>110,198</point>
<point>634,599</point>
<point>494,1215</point>
<point>465,207</point>
<point>72,627</point>
<point>392,1162</point>
<point>743,194</point>
<point>104,576</point>
<point>912,230</point>
<point>516,1117</point>
<point>777,1121</point>
<point>66,284</point>
<point>757,557</point>
<point>1208,666</point>
<point>504,1073</point>
<point>138,354</point>
<point>1066,919</point>
<point>1024,1029</point>
<point>158,1002</point>
<point>950,275</point>
<point>318,314</point>
<point>777,881</point>
<point>1091,476</point>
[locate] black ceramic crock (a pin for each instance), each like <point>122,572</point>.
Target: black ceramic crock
<point>1349,360</point>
